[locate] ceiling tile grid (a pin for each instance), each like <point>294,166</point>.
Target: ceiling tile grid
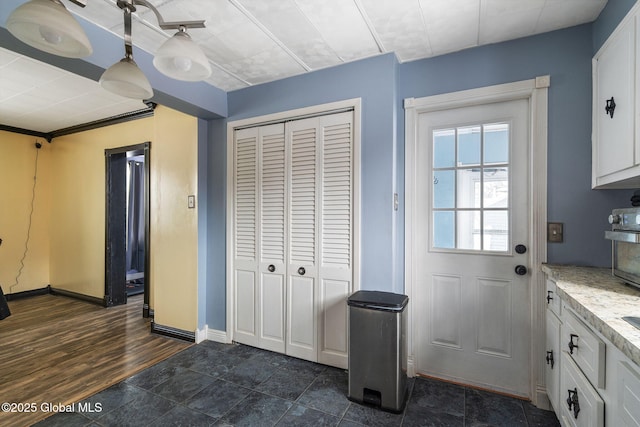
<point>250,42</point>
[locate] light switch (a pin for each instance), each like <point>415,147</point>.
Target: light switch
<point>191,201</point>
<point>554,232</point>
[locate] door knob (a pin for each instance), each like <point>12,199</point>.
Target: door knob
<point>271,268</point>
<point>521,270</point>
<point>520,249</point>
<point>301,271</point>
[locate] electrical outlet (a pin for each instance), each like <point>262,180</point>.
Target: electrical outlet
<point>191,201</point>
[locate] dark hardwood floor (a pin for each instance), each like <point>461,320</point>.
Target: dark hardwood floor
<point>58,350</point>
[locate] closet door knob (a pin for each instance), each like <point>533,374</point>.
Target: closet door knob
<point>549,358</point>
<point>271,268</point>
<point>301,271</point>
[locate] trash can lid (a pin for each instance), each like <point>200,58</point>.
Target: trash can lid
<point>378,300</point>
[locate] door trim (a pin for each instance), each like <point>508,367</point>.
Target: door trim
<point>146,148</point>
<point>536,92</point>
<point>322,109</point>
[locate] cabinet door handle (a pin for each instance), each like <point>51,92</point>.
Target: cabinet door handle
<point>550,358</point>
<point>271,268</point>
<point>549,297</point>
<point>572,345</point>
<point>301,271</point>
<point>573,402</point>
<point>610,107</point>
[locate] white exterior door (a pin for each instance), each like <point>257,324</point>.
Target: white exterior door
<point>293,236</point>
<point>471,309</point>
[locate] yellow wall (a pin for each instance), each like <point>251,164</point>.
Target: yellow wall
<point>174,227</point>
<point>78,203</point>
<point>17,169</point>
<point>71,228</point>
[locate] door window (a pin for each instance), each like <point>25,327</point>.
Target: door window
<point>470,207</point>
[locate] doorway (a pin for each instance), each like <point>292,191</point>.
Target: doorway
<point>475,212</point>
<point>127,224</point>
<point>472,188</point>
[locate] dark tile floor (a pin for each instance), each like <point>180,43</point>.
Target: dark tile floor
<point>216,384</point>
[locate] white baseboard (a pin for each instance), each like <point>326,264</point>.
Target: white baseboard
<point>211,335</point>
<point>541,399</point>
<point>411,367</point>
<point>218,336</point>
<point>201,334</point>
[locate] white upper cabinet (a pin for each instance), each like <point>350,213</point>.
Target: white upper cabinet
<point>613,106</point>
<point>615,140</point>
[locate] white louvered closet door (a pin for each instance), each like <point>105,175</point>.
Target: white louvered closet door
<point>320,237</point>
<point>335,236</point>
<point>260,237</point>
<point>293,237</point>
<point>303,136</point>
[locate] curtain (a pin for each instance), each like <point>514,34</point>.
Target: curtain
<point>135,218</point>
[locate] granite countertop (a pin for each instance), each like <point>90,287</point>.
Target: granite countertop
<point>602,300</point>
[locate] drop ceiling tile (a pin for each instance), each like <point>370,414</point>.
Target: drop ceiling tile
<point>105,13</point>
<point>7,57</point>
<point>7,91</point>
<point>299,35</point>
<point>502,20</point>
<point>26,73</point>
<point>224,80</point>
<point>558,14</point>
<point>265,66</point>
<point>342,26</point>
<point>400,27</point>
<point>450,25</point>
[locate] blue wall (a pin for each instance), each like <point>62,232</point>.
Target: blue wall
<point>566,56</point>
<point>383,84</point>
<point>374,81</point>
<point>609,18</point>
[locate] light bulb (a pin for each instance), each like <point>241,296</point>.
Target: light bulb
<point>50,35</point>
<point>182,63</point>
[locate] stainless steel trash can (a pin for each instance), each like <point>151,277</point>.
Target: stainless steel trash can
<point>378,349</point>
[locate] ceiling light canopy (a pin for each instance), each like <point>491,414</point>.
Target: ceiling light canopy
<point>47,25</point>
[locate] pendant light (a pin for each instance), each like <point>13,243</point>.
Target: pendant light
<point>48,26</point>
<point>182,59</point>
<point>124,78</point>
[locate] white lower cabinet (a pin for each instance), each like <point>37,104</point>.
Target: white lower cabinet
<point>628,408</point>
<point>552,359</point>
<point>585,348</point>
<point>590,381</point>
<point>581,404</point>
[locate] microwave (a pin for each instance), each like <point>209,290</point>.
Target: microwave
<point>625,244</point>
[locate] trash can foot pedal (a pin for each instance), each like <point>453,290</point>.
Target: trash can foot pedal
<point>372,397</point>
